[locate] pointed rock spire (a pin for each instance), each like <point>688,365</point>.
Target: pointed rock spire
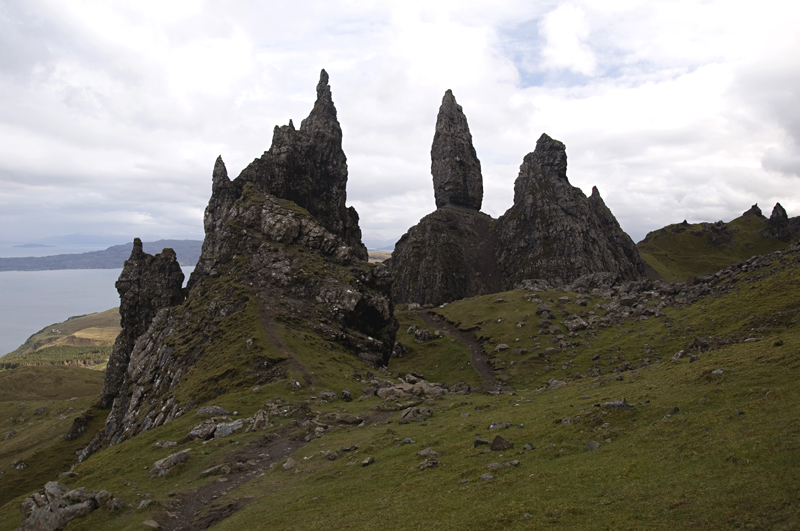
<point>455,167</point>
<point>323,115</point>
<point>219,177</point>
<point>778,214</point>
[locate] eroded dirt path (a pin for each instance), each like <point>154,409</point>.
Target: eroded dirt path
<point>479,359</point>
<point>245,464</point>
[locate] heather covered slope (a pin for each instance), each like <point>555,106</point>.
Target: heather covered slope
<point>681,250</point>
<point>704,441</point>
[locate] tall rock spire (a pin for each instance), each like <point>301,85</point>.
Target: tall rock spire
<point>455,166</point>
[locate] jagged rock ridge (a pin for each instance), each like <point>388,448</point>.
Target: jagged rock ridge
<point>309,167</point>
<point>281,252</point>
<point>147,284</point>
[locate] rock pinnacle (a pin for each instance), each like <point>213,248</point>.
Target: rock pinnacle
<point>455,166</point>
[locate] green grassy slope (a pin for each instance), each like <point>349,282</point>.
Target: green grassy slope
<point>84,340</point>
<point>679,251</point>
<point>37,407</point>
<point>709,444</point>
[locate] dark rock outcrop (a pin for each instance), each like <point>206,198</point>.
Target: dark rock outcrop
<point>147,284</point>
<point>282,258</point>
<point>308,167</point>
<point>754,212</point>
<point>554,232</point>
<point>455,166</point>
<point>448,255</point>
<point>780,226</point>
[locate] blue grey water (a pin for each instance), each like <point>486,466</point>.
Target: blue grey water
<point>31,300</point>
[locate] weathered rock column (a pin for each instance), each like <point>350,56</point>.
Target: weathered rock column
<point>456,170</point>
<point>147,284</point>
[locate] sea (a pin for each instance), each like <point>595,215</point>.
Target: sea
<point>32,300</point>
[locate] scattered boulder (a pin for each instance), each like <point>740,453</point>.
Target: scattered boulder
<point>204,431</point>
<point>368,461</point>
<point>428,452</point>
<point>290,463</point>
<point>78,427</point>
<point>618,404</point>
<point>415,414</point>
<point>592,445</point>
<point>162,466</point>
<point>212,411</point>
<point>327,395</point>
<point>500,444</point>
<point>56,505</point>
<point>223,429</point>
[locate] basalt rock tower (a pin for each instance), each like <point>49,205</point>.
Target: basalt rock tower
<point>450,253</point>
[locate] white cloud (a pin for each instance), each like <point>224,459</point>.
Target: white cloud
<point>566,31</point>
<point>113,112</point>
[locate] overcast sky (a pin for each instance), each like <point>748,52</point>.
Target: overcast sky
<point>113,112</point>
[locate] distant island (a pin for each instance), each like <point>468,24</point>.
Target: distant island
<point>32,245</point>
<point>188,251</point>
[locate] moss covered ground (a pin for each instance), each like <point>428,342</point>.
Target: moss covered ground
<point>708,444</point>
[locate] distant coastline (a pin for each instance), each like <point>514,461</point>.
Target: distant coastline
<point>188,252</point>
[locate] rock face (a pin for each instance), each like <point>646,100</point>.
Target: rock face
<point>554,232</point>
<point>147,284</point>
<point>282,258</point>
<point>448,255</point>
<point>455,166</point>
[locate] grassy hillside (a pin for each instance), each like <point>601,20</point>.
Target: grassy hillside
<point>709,444</point>
<point>84,340</point>
<point>682,250</point>
<point>37,407</point>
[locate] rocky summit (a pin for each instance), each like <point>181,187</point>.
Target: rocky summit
<point>552,233</point>
<point>455,167</point>
<point>282,256</point>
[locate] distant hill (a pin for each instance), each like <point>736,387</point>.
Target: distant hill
<point>84,340</point>
<point>678,251</point>
<point>114,257</point>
